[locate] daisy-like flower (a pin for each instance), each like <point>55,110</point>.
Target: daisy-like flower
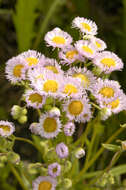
<point>34,99</point>
<point>86,48</point>
<point>108,61</point>
<point>106,90</point>
<point>16,69</point>
<point>44,183</point>
<point>69,129</point>
<point>58,38</point>
<point>32,58</point>
<point>86,77</point>
<point>100,45</point>
<point>54,169</point>
<point>62,150</point>
<point>70,55</point>
<point>6,128</point>
<point>51,65</point>
<point>116,105</point>
<point>51,84</point>
<point>72,87</point>
<point>34,127</point>
<point>49,126</point>
<point>78,109</point>
<point>86,26</point>
<point>36,74</point>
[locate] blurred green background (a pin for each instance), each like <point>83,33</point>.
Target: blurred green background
<point>23,24</point>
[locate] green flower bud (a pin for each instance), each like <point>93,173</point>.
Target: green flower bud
<point>22,119</point>
<point>13,157</point>
<point>50,156</point>
<point>15,111</point>
<point>67,167</point>
<point>24,111</point>
<point>79,153</point>
<point>123,145</point>
<point>97,71</point>
<point>67,183</point>
<point>33,168</point>
<point>3,158</point>
<point>105,113</point>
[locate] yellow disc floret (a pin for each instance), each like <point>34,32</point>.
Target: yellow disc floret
<point>75,107</point>
<point>71,54</point>
<point>87,49</point>
<point>83,78</point>
<point>107,92</point>
<point>114,104</point>
<point>35,98</point>
<point>109,62</point>
<point>98,44</point>
<point>52,68</point>
<point>5,128</point>
<point>32,61</point>
<point>58,40</point>
<point>50,125</point>
<point>50,86</point>
<point>69,89</point>
<point>86,26</point>
<point>45,185</point>
<point>17,70</point>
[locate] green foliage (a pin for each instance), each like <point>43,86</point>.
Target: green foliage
<point>24,21</point>
<point>111,147</point>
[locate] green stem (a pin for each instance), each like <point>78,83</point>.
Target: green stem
<point>96,106</point>
<point>45,22</point>
<point>14,171</point>
<point>89,164</point>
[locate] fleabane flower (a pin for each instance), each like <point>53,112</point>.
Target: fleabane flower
<point>58,38</point>
<point>62,150</point>
<point>16,69</point>
<point>108,61</point>
<point>51,84</point>
<point>54,169</point>
<point>78,109</point>
<point>49,126</point>
<point>72,87</point>
<point>36,74</point>
<point>86,77</point>
<point>100,45</point>
<point>51,65</point>
<point>31,57</point>
<point>106,90</point>
<point>70,55</point>
<point>86,26</point>
<point>117,105</point>
<point>69,128</point>
<point>6,128</point>
<point>34,98</point>
<point>86,48</point>
<point>34,128</point>
<point>44,183</point>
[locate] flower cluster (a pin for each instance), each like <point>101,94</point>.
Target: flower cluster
<point>63,91</point>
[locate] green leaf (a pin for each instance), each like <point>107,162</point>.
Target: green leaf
<point>112,147</point>
<point>24,20</point>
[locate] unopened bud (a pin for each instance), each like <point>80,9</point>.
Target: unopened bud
<point>123,145</point>
<point>67,183</point>
<point>22,119</point>
<point>79,153</point>
<point>67,167</point>
<point>97,71</point>
<point>105,113</point>
<point>55,112</point>
<point>24,111</point>
<point>15,111</point>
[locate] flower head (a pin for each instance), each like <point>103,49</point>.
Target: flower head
<point>86,26</point>
<point>34,127</point>
<point>69,129</point>
<point>86,48</point>
<point>44,183</point>
<point>6,128</point>
<point>62,150</point>
<point>108,61</point>
<point>58,38</point>
<point>54,169</point>
<point>49,126</point>
<point>100,45</point>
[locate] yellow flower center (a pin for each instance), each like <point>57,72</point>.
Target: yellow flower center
<point>83,78</point>
<point>86,26</point>
<point>98,44</point>
<point>17,70</point>
<point>5,128</point>
<point>58,40</point>
<point>114,104</point>
<point>87,49</point>
<point>71,54</point>
<point>50,86</point>
<point>108,62</point>
<point>50,125</point>
<point>75,107</point>
<point>52,68</point>
<point>69,89</point>
<point>39,77</point>
<point>45,185</point>
<point>32,61</point>
<point>107,92</point>
<point>35,98</point>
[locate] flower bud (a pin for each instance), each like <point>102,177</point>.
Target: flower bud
<point>79,153</point>
<point>97,71</point>
<point>123,145</point>
<point>67,183</point>
<point>67,167</point>
<point>105,113</point>
<point>15,111</point>
<point>24,111</point>
<point>13,157</point>
<point>22,119</point>
<point>55,112</point>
